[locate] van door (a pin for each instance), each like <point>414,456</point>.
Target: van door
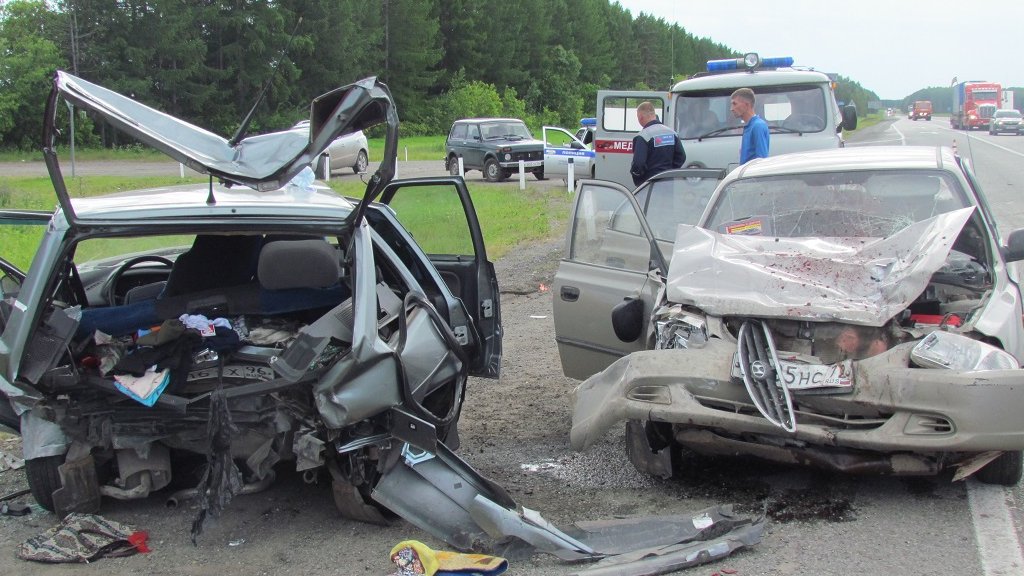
<point>616,127</point>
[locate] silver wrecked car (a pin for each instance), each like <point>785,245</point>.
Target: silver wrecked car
<point>255,319</point>
<point>849,309</point>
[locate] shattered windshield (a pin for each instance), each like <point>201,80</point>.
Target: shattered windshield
<point>785,108</point>
<point>505,130</point>
<point>870,204</point>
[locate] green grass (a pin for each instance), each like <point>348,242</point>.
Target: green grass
<point>417,147</point>
<point>507,215</point>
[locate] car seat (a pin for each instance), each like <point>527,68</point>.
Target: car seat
<point>214,262</point>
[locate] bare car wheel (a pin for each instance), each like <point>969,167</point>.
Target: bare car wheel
<point>1005,470</point>
<point>492,170</point>
<point>43,478</point>
<point>453,166</point>
<point>362,162</point>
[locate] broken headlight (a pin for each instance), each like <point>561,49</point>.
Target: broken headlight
<point>957,352</point>
<point>676,328</point>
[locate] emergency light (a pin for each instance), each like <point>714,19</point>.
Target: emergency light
<point>588,121</point>
<point>749,61</point>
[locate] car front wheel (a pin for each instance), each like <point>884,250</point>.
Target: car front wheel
<point>44,478</point>
<point>492,170</point>
<point>539,174</point>
<point>362,162</point>
<point>453,166</point>
<point>1005,470</point>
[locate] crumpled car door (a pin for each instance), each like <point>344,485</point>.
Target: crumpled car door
<point>460,258</point>
<point>609,254</point>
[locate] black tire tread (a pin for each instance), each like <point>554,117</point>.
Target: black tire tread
<point>43,478</point>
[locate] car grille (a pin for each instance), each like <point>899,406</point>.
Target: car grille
<point>758,359</point>
<point>527,155</point>
<point>839,421</point>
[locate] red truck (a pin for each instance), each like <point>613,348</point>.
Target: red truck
<point>921,109</point>
<point>974,103</point>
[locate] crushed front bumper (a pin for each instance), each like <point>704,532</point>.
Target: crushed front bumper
<point>891,407</point>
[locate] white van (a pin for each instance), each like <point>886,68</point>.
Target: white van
<point>799,106</point>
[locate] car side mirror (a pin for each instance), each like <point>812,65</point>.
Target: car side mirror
<point>1014,250</point>
<point>849,117</point>
<point>576,145</point>
<point>628,319</point>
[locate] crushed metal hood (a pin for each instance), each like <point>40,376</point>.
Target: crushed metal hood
<point>855,280</point>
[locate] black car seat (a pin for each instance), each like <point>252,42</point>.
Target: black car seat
<point>214,262</point>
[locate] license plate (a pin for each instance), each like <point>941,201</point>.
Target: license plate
<point>530,164</point>
<point>799,376</point>
<point>234,371</point>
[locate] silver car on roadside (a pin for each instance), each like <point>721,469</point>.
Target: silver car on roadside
<point>1008,120</point>
<point>346,151</point>
<point>849,309</point>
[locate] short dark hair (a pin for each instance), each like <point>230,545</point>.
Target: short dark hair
<point>745,93</point>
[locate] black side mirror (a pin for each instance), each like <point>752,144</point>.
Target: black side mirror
<point>576,145</point>
<point>849,117</point>
<point>1014,250</point>
<point>628,319</point>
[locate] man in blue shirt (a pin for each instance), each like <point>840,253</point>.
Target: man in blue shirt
<point>755,129</point>
<point>656,148</point>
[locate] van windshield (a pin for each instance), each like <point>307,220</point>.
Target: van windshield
<point>794,108</point>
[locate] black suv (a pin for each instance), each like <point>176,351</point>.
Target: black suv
<point>494,146</point>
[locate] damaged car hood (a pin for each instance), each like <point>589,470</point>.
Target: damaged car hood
<point>262,162</point>
<point>855,280</point>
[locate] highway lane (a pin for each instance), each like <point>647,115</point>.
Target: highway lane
<point>995,513</point>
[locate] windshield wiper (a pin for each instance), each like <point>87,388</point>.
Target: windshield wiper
<point>717,132</point>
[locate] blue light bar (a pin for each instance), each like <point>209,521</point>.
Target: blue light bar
<point>778,62</point>
<point>719,65</point>
<point>588,121</point>
<point>738,63</point>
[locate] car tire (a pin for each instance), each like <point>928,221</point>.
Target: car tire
<point>453,166</point>
<point>44,478</point>
<point>322,167</point>
<point>1006,470</point>
<point>991,133</point>
<point>493,171</point>
<point>362,162</point>
<point>539,174</point>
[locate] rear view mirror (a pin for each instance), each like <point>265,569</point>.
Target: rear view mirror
<point>1014,250</point>
<point>849,117</point>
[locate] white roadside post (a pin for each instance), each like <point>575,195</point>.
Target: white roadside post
<point>522,174</point>
<point>571,177</point>
<point>327,167</point>
<point>462,170</point>
<point>181,170</point>
<point>406,153</point>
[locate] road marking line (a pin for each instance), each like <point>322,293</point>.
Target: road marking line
<point>994,532</point>
<point>983,140</point>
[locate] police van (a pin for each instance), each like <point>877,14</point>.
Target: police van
<point>799,106</point>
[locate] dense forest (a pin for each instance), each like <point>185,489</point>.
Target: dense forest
<point>206,60</point>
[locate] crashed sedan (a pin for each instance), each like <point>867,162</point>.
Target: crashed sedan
<point>255,318</point>
<point>848,309</point>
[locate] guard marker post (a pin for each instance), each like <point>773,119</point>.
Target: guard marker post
<point>522,174</point>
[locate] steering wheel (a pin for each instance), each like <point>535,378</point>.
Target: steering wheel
<point>110,294</point>
<point>804,123</point>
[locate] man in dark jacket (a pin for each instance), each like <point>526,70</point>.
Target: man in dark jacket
<point>656,148</point>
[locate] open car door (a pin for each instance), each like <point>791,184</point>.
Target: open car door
<point>615,239</point>
<point>609,253</point>
<point>459,254</point>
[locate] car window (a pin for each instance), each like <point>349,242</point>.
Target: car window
<point>842,204</point>
<point>669,202</point>
<point>460,132</point>
<point>435,217</point>
<point>620,112</point>
<point>1008,114</point>
<point>508,130</point>
<point>607,231</point>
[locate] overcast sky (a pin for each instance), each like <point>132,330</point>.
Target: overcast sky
<point>892,48</point>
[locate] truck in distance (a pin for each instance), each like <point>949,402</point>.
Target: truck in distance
<point>974,104</point>
<point>921,109</point>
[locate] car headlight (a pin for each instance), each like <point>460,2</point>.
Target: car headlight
<point>508,157</point>
<point>957,352</point>
<point>676,328</point>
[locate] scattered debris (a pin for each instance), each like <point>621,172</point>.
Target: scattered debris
<point>84,538</point>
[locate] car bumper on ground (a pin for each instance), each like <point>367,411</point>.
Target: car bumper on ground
<point>891,407</point>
